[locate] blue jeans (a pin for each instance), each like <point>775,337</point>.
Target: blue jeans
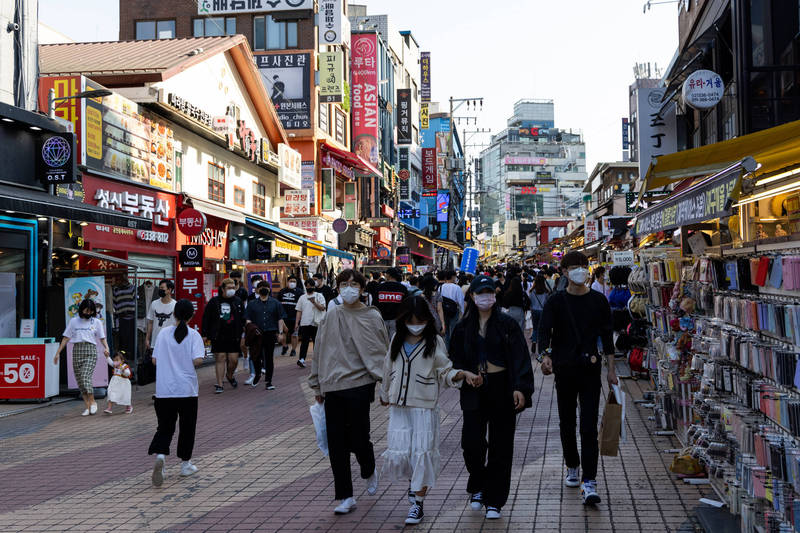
<point>450,324</point>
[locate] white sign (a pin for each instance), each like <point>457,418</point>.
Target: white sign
<point>657,131</point>
<point>310,225</point>
<point>212,7</point>
<point>26,328</point>
<point>297,202</point>
<point>143,205</point>
<point>591,231</point>
<point>703,89</point>
<point>291,166</point>
<point>330,22</point>
<point>622,258</point>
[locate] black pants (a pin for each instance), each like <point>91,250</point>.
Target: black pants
<point>307,334</point>
<point>168,411</point>
<point>264,355</point>
<point>495,411</point>
<point>347,421</point>
<point>582,385</point>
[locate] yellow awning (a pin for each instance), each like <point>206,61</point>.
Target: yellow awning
<point>775,149</point>
<point>453,247</point>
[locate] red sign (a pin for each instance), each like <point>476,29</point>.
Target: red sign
<point>364,90</point>
<point>191,222</point>
<point>429,169</point>
<point>114,195</point>
<point>22,371</point>
<point>214,238</point>
<point>404,174</point>
<point>190,286</point>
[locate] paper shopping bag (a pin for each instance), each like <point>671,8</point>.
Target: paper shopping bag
<point>611,426</point>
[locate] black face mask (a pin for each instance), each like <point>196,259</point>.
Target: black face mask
<point>263,292</point>
<point>86,316</point>
<point>309,290</point>
<point>161,293</point>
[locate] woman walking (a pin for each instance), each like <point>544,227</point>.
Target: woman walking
<point>83,333</point>
<point>417,350</point>
<point>516,301</point>
<point>177,352</point>
<point>490,343</point>
<point>538,296</point>
<point>433,297</point>
<point>310,313</point>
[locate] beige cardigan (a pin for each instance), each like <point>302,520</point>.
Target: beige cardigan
<point>414,381</point>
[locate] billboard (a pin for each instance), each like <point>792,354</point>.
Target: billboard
<point>364,100</point>
<point>442,206</point>
<point>404,116</point>
<point>215,7</point>
<point>287,78</point>
<point>429,180</point>
<point>331,76</point>
<point>425,76</point>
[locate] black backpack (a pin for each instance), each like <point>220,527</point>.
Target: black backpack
<point>450,307</point>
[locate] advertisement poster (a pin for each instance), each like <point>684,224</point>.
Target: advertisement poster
<point>364,100</point>
<point>331,77</point>
<point>22,371</point>
<point>287,78</point>
<point>404,174</point>
<point>442,206</point>
<point>429,170</point>
<point>469,260</point>
<point>75,291</point>
<point>425,76</point>
<point>404,116</point>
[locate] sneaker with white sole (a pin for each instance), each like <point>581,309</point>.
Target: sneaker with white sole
<point>492,513</point>
<point>589,492</point>
<point>415,513</point>
<point>93,409</point>
<point>372,483</point>
<point>345,506</point>
<point>85,412</point>
<point>476,501</point>
<point>159,473</point>
<point>250,380</point>
<point>573,478</point>
<point>187,469</point>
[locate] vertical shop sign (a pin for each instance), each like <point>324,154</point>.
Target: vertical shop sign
<point>328,189</point>
<point>442,206</point>
<point>307,179</point>
<point>657,129</point>
<point>404,116</point>
<point>404,174</point>
<point>429,171</point>
<point>190,287</point>
<point>364,74</point>
<point>591,230</point>
<point>331,77</point>
<point>330,22</point>
<point>425,76</point>
<point>424,116</point>
<point>625,142</point>
<point>71,110</point>
<point>287,77</point>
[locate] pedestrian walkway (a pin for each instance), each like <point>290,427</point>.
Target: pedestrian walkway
<point>260,470</point>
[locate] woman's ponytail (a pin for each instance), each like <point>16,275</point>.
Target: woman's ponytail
<point>184,311</point>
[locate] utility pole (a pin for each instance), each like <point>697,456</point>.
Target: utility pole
<point>455,104</point>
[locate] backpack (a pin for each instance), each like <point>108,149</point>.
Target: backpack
<point>450,307</point>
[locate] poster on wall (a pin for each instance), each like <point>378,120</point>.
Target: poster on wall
<point>287,78</point>
<point>331,76</point>
<point>364,100</point>
<point>75,291</point>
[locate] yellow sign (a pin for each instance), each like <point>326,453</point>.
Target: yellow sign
<point>424,116</point>
<point>313,251</point>
<point>94,133</point>
<point>283,247</point>
<point>331,77</point>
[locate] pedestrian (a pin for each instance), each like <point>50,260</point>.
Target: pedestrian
<point>599,283</point>
<point>288,296</point>
<point>452,303</point>
<point>223,325</point>
<point>561,280</point>
<point>351,345</point>
<point>490,343</point>
<point>268,316</point>
<point>179,350</point>
<point>84,332</point>
<point>434,299</point>
<point>390,296</point>
<point>372,285</point>
<point>412,450</point>
<point>241,290</point>
<point>119,388</point>
<point>516,301</point>
<point>159,315</point>
<point>323,288</point>
<point>310,313</point>
<point>538,296</point>
<point>572,320</point>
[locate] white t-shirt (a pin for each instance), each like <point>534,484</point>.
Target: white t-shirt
<point>160,314</point>
<point>176,376</point>
<point>82,330</point>
<point>602,289</point>
<point>305,306</point>
<point>454,292</point>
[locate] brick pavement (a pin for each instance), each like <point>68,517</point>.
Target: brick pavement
<point>260,470</point>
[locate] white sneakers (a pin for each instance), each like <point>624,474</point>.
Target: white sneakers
<point>85,412</point>
<point>345,506</point>
<point>159,473</point>
<point>492,513</point>
<point>573,478</point>
<point>93,409</point>
<point>589,492</point>
<point>250,379</point>
<point>187,468</point>
<point>372,483</point>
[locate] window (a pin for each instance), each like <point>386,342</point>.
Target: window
<point>340,129</point>
<point>271,34</point>
<point>155,29</point>
<point>259,202</point>
<point>214,26</point>
<point>238,196</point>
<point>324,122</point>
<point>216,183</point>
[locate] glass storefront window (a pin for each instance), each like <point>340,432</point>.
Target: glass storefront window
<point>12,290</point>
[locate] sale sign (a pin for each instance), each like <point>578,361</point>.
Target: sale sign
<point>22,371</point>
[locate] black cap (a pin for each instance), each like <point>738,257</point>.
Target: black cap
<point>480,283</point>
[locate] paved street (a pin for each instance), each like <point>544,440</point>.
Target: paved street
<point>260,470</point>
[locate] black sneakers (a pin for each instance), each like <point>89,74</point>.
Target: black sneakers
<point>218,389</point>
<point>476,502</point>
<point>284,350</point>
<point>233,382</point>
<point>415,513</point>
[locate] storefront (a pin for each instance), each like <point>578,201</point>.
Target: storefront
<point>357,239</point>
<point>420,249</point>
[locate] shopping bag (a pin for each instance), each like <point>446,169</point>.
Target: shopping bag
<point>318,416</point>
<point>611,425</point>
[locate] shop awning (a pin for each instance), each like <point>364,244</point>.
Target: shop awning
<point>453,247</point>
<point>353,160</point>
<point>40,203</point>
<point>111,259</point>
<point>216,210</point>
<point>275,230</point>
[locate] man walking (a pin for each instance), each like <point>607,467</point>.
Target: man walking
<point>223,326</point>
<point>323,288</point>
<point>571,322</point>
<point>288,296</point>
<point>268,316</point>
<point>159,316</point>
<point>390,295</point>
<point>452,303</point>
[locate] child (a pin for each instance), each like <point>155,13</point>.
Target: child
<point>415,367</point>
<point>119,389</point>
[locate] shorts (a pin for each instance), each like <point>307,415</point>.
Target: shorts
<point>225,346</point>
<point>290,325</point>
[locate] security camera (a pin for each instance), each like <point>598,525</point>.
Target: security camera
<point>12,26</point>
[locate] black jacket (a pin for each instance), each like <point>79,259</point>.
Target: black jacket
<point>211,322</point>
<point>504,336</point>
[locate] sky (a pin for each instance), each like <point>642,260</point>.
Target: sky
<point>580,53</point>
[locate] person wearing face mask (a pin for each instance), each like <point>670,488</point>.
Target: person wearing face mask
<point>570,325</point>
<point>490,343</point>
<point>289,296</point>
<point>323,288</point>
<point>84,332</point>
<point>351,344</point>
<point>415,370</point>
<point>269,317</point>
<point>161,311</point>
<point>310,312</point>
<point>223,325</point>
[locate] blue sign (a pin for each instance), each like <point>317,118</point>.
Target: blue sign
<point>442,206</point>
<point>469,260</point>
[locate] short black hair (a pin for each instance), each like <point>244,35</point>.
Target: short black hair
<point>168,283</point>
<point>318,276</point>
<point>574,258</point>
<point>394,273</point>
<point>262,284</point>
<point>292,277</point>
<point>348,274</point>
<point>87,305</point>
<point>236,274</point>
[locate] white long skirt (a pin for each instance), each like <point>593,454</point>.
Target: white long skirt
<point>119,391</point>
<point>412,451</point>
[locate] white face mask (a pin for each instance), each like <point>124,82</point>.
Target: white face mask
<point>415,329</point>
<point>292,285</point>
<point>230,293</point>
<point>578,275</point>
<point>349,294</point>
<point>484,301</point>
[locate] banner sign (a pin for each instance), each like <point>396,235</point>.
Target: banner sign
<point>307,178</point>
<point>442,206</point>
<point>191,255</point>
<point>625,142</point>
<point>469,260</point>
<point>424,116</point>
<point>189,286</point>
<point>330,22</point>
<point>404,116</point>
<point>517,160</point>
<point>429,169</point>
<point>591,231</point>
<point>297,202</point>
<point>706,201</point>
<point>214,7</point>
<point>404,174</point>
<point>425,76</point>
<point>364,100</point>
<point>331,76</point>
<point>290,169</point>
<point>657,129</point>
<point>287,77</point>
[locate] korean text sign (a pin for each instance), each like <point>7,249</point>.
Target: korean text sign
<point>657,129</point>
<point>425,76</point>
<point>364,100</point>
<point>404,116</point>
<point>297,202</point>
<point>429,169</point>
<point>287,78</point>
<point>331,76</point>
